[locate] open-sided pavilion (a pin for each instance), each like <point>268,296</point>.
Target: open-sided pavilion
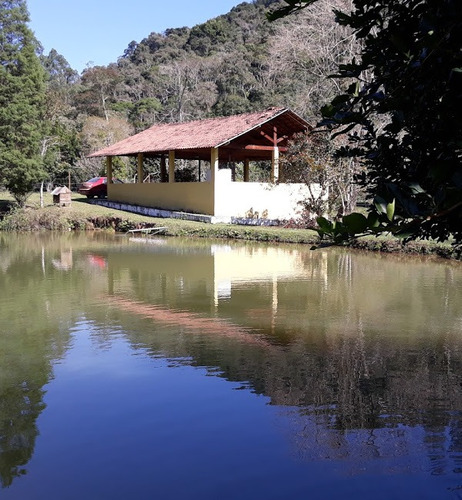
<point>216,143</point>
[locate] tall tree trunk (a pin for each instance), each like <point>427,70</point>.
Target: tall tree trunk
<point>41,194</point>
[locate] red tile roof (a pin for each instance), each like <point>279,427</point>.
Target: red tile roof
<point>201,134</point>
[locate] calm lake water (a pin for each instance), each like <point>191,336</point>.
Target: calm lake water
<point>188,369</point>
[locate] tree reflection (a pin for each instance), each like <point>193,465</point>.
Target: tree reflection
<point>361,367</point>
<point>35,315</point>
<point>20,406</point>
<point>365,351</point>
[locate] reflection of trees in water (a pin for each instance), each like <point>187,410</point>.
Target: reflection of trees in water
<point>365,349</point>
<point>20,406</point>
<point>326,348</point>
<point>434,448</point>
<point>365,341</point>
<point>357,316</point>
<point>368,396</point>
<point>379,401</point>
<point>35,320</point>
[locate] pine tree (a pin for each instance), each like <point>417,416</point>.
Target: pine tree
<point>22,100</point>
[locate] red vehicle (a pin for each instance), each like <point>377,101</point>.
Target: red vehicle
<point>96,187</point>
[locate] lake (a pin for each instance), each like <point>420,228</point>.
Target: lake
<point>151,367</point>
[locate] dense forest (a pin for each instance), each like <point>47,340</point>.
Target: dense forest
<point>392,104</point>
<point>234,63</point>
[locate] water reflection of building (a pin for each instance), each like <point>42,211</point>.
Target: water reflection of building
<point>65,261</point>
<point>236,266</point>
<point>324,334</point>
<point>216,272</point>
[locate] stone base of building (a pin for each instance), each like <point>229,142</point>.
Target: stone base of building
<point>171,214</point>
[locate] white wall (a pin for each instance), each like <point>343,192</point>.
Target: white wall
<point>246,200</point>
<point>257,200</point>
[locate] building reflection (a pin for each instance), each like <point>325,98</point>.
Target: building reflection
<point>208,277</point>
<point>65,260</point>
<point>362,354</point>
<point>357,371</point>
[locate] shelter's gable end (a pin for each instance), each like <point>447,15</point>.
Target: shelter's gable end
<point>279,128</point>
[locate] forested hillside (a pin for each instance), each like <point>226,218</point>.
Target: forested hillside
<point>394,102</point>
<point>235,63</point>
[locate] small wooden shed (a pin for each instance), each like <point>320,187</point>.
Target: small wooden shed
<point>62,196</point>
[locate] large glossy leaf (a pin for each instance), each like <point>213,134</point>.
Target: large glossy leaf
<point>355,223</point>
<point>380,205</point>
<point>324,224</point>
<point>391,210</point>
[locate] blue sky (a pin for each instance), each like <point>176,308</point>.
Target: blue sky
<point>97,32</point>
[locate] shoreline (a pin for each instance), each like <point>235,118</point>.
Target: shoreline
<point>84,216</point>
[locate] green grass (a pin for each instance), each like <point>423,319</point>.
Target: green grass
<point>83,215</point>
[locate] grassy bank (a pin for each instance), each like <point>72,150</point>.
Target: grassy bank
<point>83,215</point>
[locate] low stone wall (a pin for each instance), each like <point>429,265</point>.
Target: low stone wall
<point>170,214</point>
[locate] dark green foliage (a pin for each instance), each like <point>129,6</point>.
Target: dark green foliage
<point>212,69</point>
<point>227,65</point>
<point>60,144</point>
<point>60,74</point>
<point>206,38</point>
<point>22,99</point>
<point>290,7</point>
<point>356,224</point>
<point>142,113</point>
<point>402,111</point>
<point>98,90</point>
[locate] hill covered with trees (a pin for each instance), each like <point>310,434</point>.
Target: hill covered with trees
<point>234,63</point>
<point>398,68</point>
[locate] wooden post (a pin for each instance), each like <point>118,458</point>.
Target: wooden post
<point>171,166</point>
<point>275,165</point>
<point>109,169</point>
<point>140,168</point>
<point>246,170</point>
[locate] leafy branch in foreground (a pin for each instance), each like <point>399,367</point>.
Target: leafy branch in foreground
<point>402,114</point>
<point>356,224</point>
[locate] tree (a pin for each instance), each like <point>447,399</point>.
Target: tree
<point>22,99</point>
<point>60,143</point>
<point>99,84</point>
<point>403,119</point>
<point>205,38</point>
<point>236,85</point>
<point>307,161</point>
<point>143,112</point>
<point>311,159</point>
<point>98,133</point>
<point>300,65</point>
<point>190,91</point>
